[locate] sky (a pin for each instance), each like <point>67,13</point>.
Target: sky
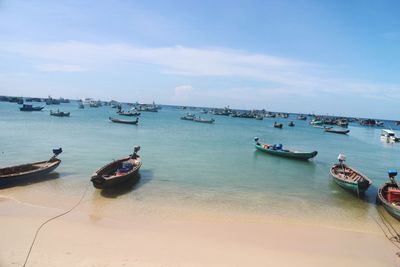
<point>324,57</point>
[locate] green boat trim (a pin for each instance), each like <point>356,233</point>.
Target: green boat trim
<point>350,179</point>
<point>391,208</point>
<point>286,153</point>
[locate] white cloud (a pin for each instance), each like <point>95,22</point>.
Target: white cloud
<point>182,93</point>
<point>60,68</point>
<point>277,73</point>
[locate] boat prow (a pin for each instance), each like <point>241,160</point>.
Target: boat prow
<point>389,196</point>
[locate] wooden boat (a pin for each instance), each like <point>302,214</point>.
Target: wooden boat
<point>301,117</point>
<point>30,170</point>
<point>203,120</point>
<point>117,171</point>
<point>26,107</point>
<point>277,150</point>
<point>278,125</point>
<point>389,136</point>
<point>291,124</point>
<point>259,117</point>
<point>129,113</point>
<point>124,121</point>
<point>389,195</point>
<point>59,113</point>
<point>349,178</point>
<point>188,117</point>
<point>337,131</point>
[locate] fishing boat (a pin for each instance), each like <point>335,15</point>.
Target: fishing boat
<point>342,123</point>
<point>124,121</point>
<point>349,178</point>
<point>188,117</point>
<point>291,124</point>
<point>198,119</point>
<point>26,107</point>
<point>117,171</point>
<point>259,117</point>
<point>30,170</point>
<point>278,125</point>
<point>336,131</point>
<point>301,117</point>
<point>389,136</point>
<point>59,113</point>
<point>277,150</point>
<point>128,113</point>
<point>389,195</point>
<point>316,122</point>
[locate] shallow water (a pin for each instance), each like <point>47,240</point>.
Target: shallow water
<point>213,166</point>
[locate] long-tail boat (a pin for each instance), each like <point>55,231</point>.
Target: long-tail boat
<point>349,178</point>
<point>389,195</point>
<point>278,150</point>
<point>337,131</point>
<point>26,107</point>
<point>278,125</point>
<point>30,170</point>
<point>128,113</point>
<point>117,171</point>
<point>124,121</point>
<point>60,113</point>
<point>198,119</point>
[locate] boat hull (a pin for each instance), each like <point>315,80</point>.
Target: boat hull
<point>393,210</point>
<point>357,188</point>
<point>100,182</point>
<point>4,179</point>
<point>293,155</point>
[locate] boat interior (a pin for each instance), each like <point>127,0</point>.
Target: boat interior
<point>347,173</point>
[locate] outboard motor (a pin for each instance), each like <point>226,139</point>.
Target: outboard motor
<point>392,173</point>
<point>135,150</point>
<point>57,151</point>
<point>341,158</point>
<point>256,139</point>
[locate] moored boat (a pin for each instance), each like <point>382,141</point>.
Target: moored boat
<point>389,136</point>
<point>188,117</point>
<point>291,124</point>
<point>30,170</point>
<point>117,171</point>
<point>278,125</point>
<point>389,195</point>
<point>59,113</point>
<point>124,121</point>
<point>349,178</point>
<point>278,150</point>
<point>337,131</point>
<point>26,107</point>
<point>198,119</point>
<point>128,113</point>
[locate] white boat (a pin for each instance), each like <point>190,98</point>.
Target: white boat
<point>389,136</point>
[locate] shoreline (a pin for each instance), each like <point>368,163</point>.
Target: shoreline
<point>85,238</point>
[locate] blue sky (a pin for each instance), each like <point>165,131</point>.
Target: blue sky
<point>327,57</point>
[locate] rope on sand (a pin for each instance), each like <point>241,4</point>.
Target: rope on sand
<point>49,220</point>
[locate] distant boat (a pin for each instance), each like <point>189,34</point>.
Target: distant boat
<point>128,113</point>
<point>278,150</point>
<point>316,122</point>
<point>259,117</point>
<point>370,122</point>
<point>278,125</point>
<point>117,171</point>
<point>342,123</point>
<point>81,106</point>
<point>188,117</point>
<point>389,136</point>
<point>124,121</point>
<point>198,119</point>
<point>389,195</point>
<point>301,117</point>
<point>26,107</point>
<point>337,131</point>
<point>291,124</point>
<point>30,170</point>
<point>348,178</point>
<point>59,113</point>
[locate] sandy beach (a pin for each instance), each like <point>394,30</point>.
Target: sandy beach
<point>176,238</point>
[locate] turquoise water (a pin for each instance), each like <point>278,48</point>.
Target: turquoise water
<point>195,164</point>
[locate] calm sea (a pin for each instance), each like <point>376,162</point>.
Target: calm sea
<point>195,165</point>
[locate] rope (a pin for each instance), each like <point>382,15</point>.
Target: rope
<point>49,220</point>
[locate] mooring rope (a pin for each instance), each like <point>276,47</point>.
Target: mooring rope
<point>49,220</point>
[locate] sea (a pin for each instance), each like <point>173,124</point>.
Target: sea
<point>213,168</point>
